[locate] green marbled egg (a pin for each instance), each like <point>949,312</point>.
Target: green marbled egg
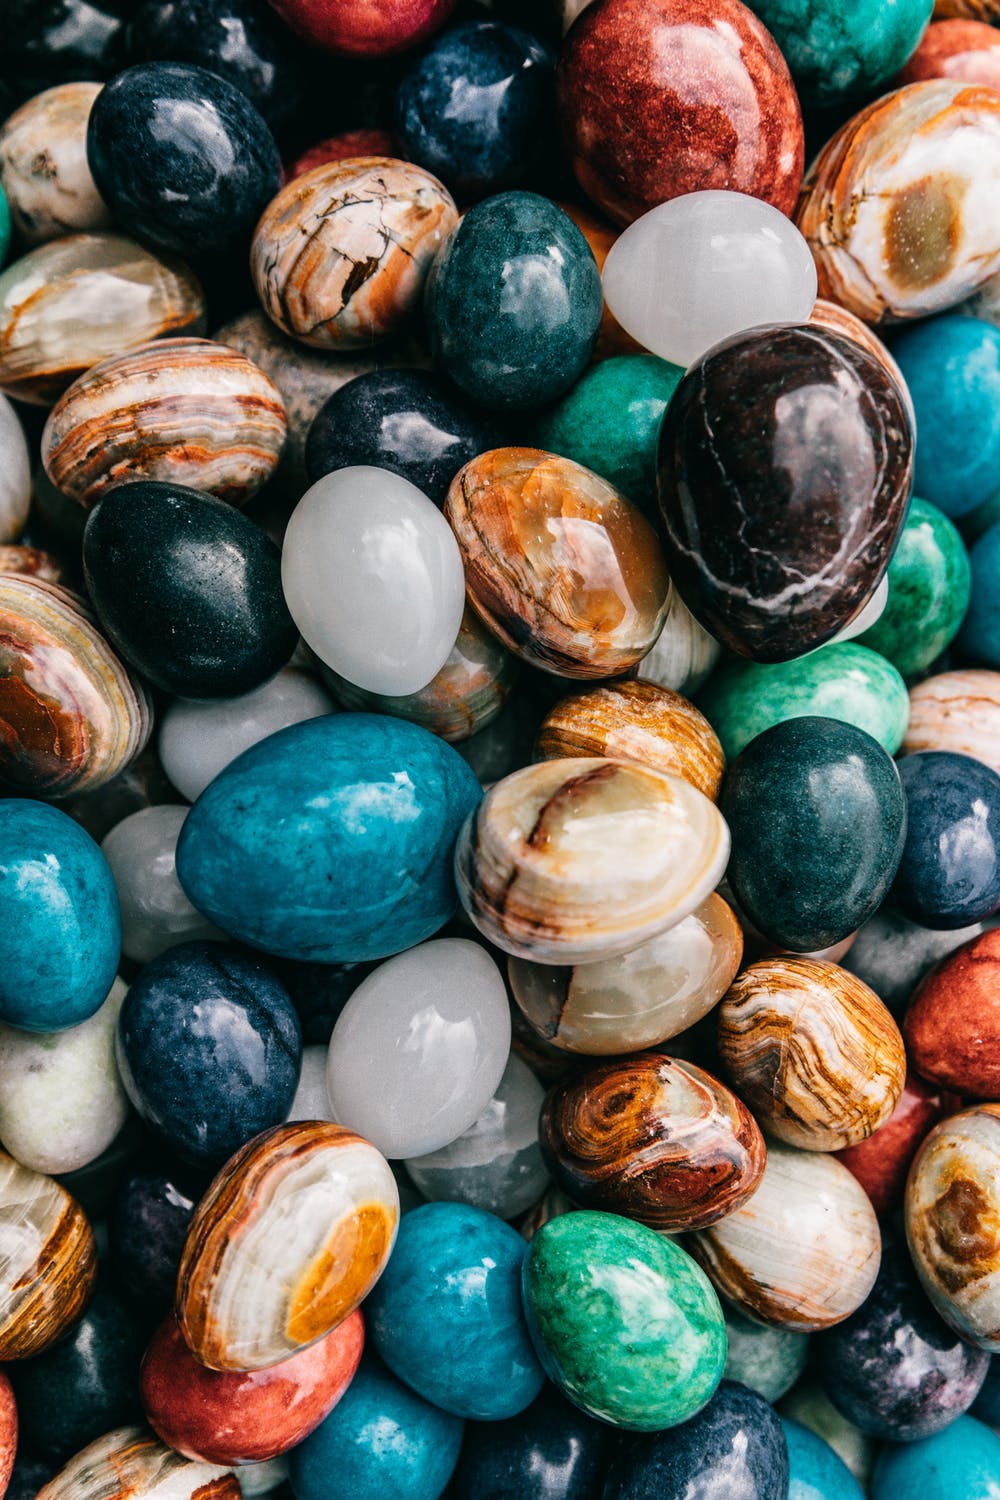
<point>929,582</point>
<point>840,681</point>
<point>624,1322</point>
<point>768,1360</point>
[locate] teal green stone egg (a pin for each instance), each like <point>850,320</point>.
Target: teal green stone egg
<point>623,1321</point>
<point>4,227</point>
<point>610,420</point>
<point>841,681</point>
<point>836,50</point>
<point>768,1360</point>
<point>929,584</point>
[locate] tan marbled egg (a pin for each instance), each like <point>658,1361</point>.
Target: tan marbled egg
<point>32,562</point>
<point>636,721</point>
<point>292,1234</point>
<point>967,10</point>
<point>129,1463</point>
<point>74,301</point>
<point>804,1252</point>
<point>571,861</point>
<point>183,411</point>
<point>43,165</point>
<point>953,1222</point>
<point>831,315</point>
<point>957,711</point>
<point>813,1052</point>
<point>900,208</point>
<point>48,1260</point>
<point>71,715</point>
<point>340,256</point>
<point>637,999</point>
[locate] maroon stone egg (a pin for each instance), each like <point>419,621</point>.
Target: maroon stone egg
<point>8,1432</point>
<point>952,1026</point>
<point>881,1162</point>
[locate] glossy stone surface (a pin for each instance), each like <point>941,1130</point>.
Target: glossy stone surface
<point>952,1025</point>
<point>549,1452</point>
<point>155,912</point>
<point>684,654</point>
<point>704,267</point>
<point>929,588</point>
<point>446,1316</point>
<point>380,1439</point>
<point>957,711</point>
<point>659,98</point>
<point>181,157</point>
<point>624,1322</point>
<point>732,447</point>
<point>288,1240</point>
<point>209,1048</point>
<point>359,864</point>
<point>804,1252</point>
<point>15,474</point>
<point>420,1047</point>
<point>127,1463</point>
<point>641,997</point>
<point>475,107</point>
<point>228,1417</point>
<point>881,1162</point>
<point>834,55</point>
<point>815,1470</point>
<point>734,1446</point>
<point>74,716</point>
<point>965,1457</point>
<point>392,620</point>
<point>514,302</point>
<point>653,1138</point>
<point>956,48</point>
<point>408,421</point>
<point>349,30</point>
<point>883,204</point>
<point>949,875</point>
<point>340,256</point>
<point>768,1360</point>
<point>562,568</point>
<point>148,1225</point>
<point>61,38</point>
<point>818,819</point>
<point>837,319</point>
<point>576,860</point>
<point>50,1261</point>
<point>43,165</point>
<point>980,635</point>
<point>187,589</point>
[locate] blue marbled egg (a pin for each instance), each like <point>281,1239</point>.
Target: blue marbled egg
<point>59,918</point>
<point>446,1315</point>
<point>963,1460</point>
<point>815,1472</point>
<point>949,875</point>
<point>331,840</point>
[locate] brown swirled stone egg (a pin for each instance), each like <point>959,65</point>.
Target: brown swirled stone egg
<point>812,1050</point>
<point>652,1138</point>
<point>32,562</point>
<point>957,711</point>
<point>340,256</point>
<point>43,164</point>
<point>183,411</point>
<point>129,1463</point>
<point>953,1222</point>
<point>48,1260</point>
<point>899,208</point>
<point>952,1025</point>
<point>566,571</point>
<point>987,11</point>
<point>71,715</point>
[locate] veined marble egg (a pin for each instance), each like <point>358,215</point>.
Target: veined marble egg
<point>43,165</point>
<point>130,1464</point>
<point>48,1260</point>
<point>957,711</point>
<point>684,654</point>
<point>15,474</point>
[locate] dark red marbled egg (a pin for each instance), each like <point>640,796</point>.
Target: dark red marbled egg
<point>881,1162</point>
<point>8,1432</point>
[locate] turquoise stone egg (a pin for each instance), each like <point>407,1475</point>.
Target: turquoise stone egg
<point>980,636</point>
<point>4,227</point>
<point>331,840</point>
<point>963,1460</point>
<point>842,681</point>
<point>59,918</point>
<point>815,1472</point>
<point>929,582</point>
<point>624,1322</point>
<point>836,51</point>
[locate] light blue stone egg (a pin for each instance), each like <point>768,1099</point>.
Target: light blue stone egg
<point>963,1460</point>
<point>815,1472</point>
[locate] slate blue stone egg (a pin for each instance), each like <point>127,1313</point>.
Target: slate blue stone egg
<point>963,1460</point>
<point>552,1451</point>
<point>949,875</point>
<point>815,1472</point>
<point>446,1314</point>
<point>209,1049</point>
<point>514,302</point>
<point>980,633</point>
<point>331,840</point>
<point>380,1442</point>
<point>59,917</point>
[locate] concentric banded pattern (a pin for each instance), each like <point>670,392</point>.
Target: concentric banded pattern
<point>48,1260</point>
<point>958,711</point>
<point>128,1463</point>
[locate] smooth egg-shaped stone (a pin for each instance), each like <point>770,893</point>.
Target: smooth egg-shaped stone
<point>639,998</point>
<point>636,721</point>
<point>963,1460</point>
<point>929,589</point>
<point>815,1470</point>
<point>155,912</point>
<point>804,1252</point>
<point>768,1360</point>
<point>952,1025</point>
<point>624,1322</point>
<point>843,681</point>
<point>332,840</point>
<point>653,1138</point>
<point>809,1404</point>
<point>818,820</point>
<point>837,319</point>
<point>59,913</point>
<point>446,1316</point>
<point>575,860</point>
<point>565,570</point>
<point>949,875</point>
<point>892,954</point>
<point>147,1229</point>
<point>8,1433</point>
<point>777,541</point>
<point>514,302</point>
<point>187,589</point>
<point>73,714</point>
<point>882,1160</point>
<point>884,204</point>
<point>48,332</point>
<point>31,562</point>
<point>184,411</point>
<point>128,1463</point>
<point>703,267</point>
<point>209,1047</point>
<point>683,655</point>
<point>15,474</point>
<point>956,47</point>
<point>420,1047</point>
<point>812,1051</point>
<point>340,256</point>
<point>980,634</point>
<point>856,52</point>
<point>552,1451</point>
<point>231,1417</point>
<point>43,165</point>
<point>49,1260</point>
<point>291,1236</point>
<point>957,711</point>
<point>373,579</point>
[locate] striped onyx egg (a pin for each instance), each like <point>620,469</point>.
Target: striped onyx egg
<point>48,1260</point>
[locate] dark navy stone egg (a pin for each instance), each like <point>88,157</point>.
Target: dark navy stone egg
<point>949,875</point>
<point>552,1451</point>
<point>148,1226</point>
